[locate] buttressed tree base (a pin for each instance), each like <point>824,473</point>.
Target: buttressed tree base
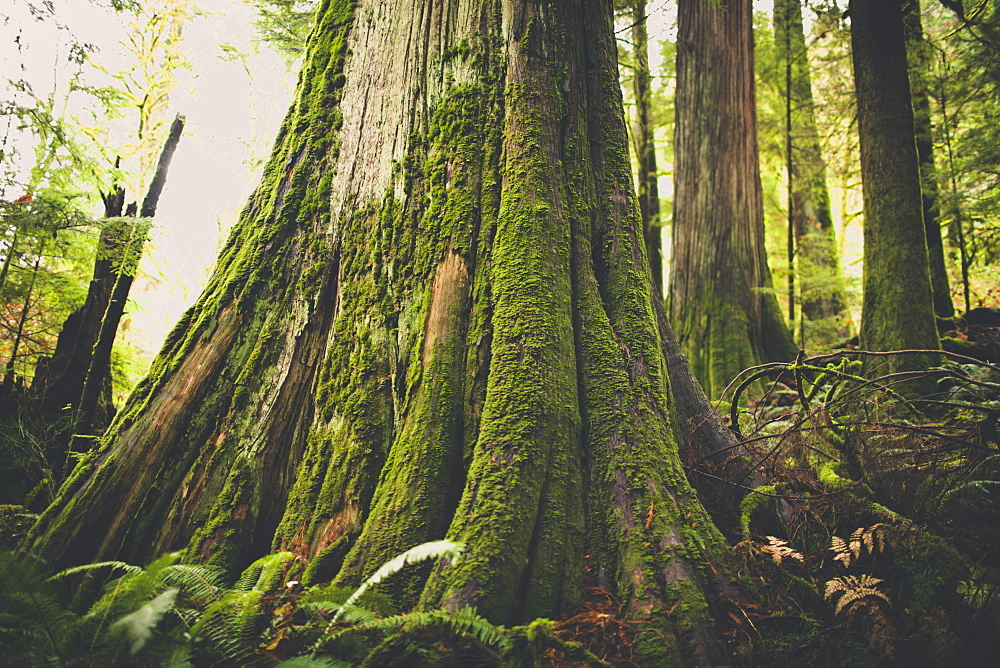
<point>434,319</point>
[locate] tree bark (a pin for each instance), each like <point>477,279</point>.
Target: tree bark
<point>898,307</point>
<point>722,303</point>
<point>821,285</point>
<point>434,318</point>
<point>917,57</point>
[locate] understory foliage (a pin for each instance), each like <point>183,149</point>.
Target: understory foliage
<point>180,615</point>
<point>874,542</point>
<point>877,537</point>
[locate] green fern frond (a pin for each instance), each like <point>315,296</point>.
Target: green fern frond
<point>977,485</point>
<point>231,626</point>
<point>139,625</point>
<point>463,622</point>
<point>437,549</point>
<point>201,583</point>
<point>265,573</point>
<point>26,595</point>
<point>330,597</point>
<point>115,565</point>
<point>354,614</point>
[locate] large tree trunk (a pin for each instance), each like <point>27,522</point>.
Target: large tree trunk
<point>721,302</point>
<point>917,57</point>
<point>898,310</point>
<point>434,318</point>
<point>818,264</point>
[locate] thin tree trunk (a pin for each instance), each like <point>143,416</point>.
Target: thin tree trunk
<point>898,308</point>
<point>917,57</point>
<point>722,301</point>
<point>8,379</point>
<point>434,318</point>
<point>645,147</point>
<point>99,370</point>
<point>11,249</point>
<point>60,387</point>
<point>819,267</point>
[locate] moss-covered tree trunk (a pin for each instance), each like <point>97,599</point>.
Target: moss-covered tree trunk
<point>918,56</point>
<point>815,241</point>
<point>898,308</point>
<point>722,306</point>
<point>434,318</point>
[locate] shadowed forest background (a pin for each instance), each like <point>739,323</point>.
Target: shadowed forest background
<point>565,332</point>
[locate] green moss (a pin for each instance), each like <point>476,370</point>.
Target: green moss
<point>753,502</point>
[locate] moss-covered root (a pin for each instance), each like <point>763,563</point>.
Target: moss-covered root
<point>587,352</point>
<point>517,501</point>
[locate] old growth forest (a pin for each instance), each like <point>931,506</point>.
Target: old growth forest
<point>529,333</point>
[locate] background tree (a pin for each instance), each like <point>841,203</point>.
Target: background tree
<point>644,143</point>
<point>434,318</point>
<point>721,300</point>
<point>967,79</point>
<point>898,312</point>
<point>919,58</point>
<point>811,223</point>
<point>75,158</point>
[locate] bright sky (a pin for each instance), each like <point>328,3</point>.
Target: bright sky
<point>233,110</point>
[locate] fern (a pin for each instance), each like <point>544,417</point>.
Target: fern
<point>443,549</point>
<point>313,662</point>
<point>331,598</point>
<point>34,620</point>
<point>139,625</point>
<point>853,589</point>
<point>779,550</point>
<point>230,624</point>
<point>201,583</point>
<point>118,565</point>
<point>463,622</point>
<point>265,573</point>
<point>37,627</point>
<point>873,539</point>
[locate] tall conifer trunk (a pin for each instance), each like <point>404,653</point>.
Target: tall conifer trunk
<point>898,308</point>
<point>721,302</point>
<point>917,53</point>
<point>434,318</point>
